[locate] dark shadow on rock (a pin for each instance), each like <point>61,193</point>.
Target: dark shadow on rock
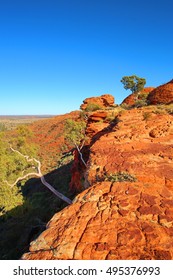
<point>22,224</point>
<point>104,131</point>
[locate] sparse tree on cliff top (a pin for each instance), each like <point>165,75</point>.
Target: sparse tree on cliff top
<point>134,83</point>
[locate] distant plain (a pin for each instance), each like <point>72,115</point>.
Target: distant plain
<point>8,122</point>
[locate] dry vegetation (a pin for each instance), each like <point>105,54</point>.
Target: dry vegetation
<point>11,122</point>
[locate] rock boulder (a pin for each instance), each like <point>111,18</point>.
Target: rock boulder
<point>162,94</point>
<point>100,102</point>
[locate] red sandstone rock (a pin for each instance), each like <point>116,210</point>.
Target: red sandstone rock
<point>103,101</point>
<point>119,220</point>
<point>97,116</point>
<point>99,226</point>
<point>131,99</point>
<point>162,94</point>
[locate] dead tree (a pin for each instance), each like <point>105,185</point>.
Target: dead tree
<point>39,175</point>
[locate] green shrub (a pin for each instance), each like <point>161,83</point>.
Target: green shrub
<point>126,106</point>
<point>74,132</point>
<point>91,107</point>
<point>144,96</point>
<point>169,111</point>
<point>159,112</point>
<point>2,127</point>
<point>141,103</point>
<point>112,114</point>
<point>83,115</point>
<point>120,177</point>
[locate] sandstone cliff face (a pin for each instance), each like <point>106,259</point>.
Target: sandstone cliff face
<point>126,212</point>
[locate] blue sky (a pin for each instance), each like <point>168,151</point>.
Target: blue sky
<point>54,54</point>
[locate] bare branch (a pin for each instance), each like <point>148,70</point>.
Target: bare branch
<point>83,142</point>
<point>22,178</point>
<point>81,156</point>
<point>38,174</point>
<point>60,195</point>
<point>28,159</point>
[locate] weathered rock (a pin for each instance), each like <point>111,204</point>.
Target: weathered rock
<point>162,94</point>
<point>96,122</point>
<point>111,221</point>
<point>138,146</point>
<point>127,212</point>
<point>97,116</point>
<point>101,102</point>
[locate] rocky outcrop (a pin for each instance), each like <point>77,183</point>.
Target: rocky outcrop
<point>126,212</point>
<point>100,102</point>
<point>96,122</point>
<point>131,99</point>
<point>111,221</point>
<point>139,143</point>
<point>162,94</point>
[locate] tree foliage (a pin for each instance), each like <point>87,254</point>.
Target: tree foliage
<point>74,132</point>
<point>12,165</point>
<point>134,83</point>
<point>25,207</point>
<point>75,135</point>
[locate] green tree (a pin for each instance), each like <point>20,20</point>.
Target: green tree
<point>134,83</point>
<point>74,132</point>
<point>13,165</point>
<point>75,135</point>
<point>9,197</point>
<point>17,165</point>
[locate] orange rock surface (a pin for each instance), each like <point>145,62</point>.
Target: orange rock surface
<point>103,101</point>
<point>111,221</point>
<point>131,99</point>
<point>131,218</point>
<point>162,94</point>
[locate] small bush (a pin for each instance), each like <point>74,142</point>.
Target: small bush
<point>141,103</point>
<point>169,111</point>
<point>159,111</point>
<point>91,107</point>
<point>144,96</point>
<point>146,116</point>
<point>83,115</point>
<point>126,106</point>
<point>112,114</point>
<point>120,177</point>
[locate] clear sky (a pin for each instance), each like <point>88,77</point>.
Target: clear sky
<point>56,53</point>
